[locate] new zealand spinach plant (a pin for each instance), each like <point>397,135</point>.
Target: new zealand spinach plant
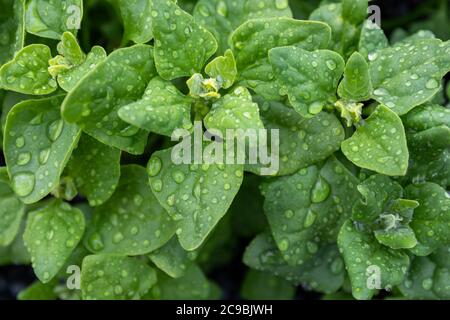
<point>90,195</point>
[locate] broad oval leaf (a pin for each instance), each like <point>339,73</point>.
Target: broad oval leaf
<point>115,277</point>
<point>409,74</point>
<point>356,85</point>
<point>370,265</point>
<point>28,72</point>
<point>117,81</point>
<point>223,69</point>
<point>222,17</point>
<point>12,28</point>
<point>379,144</point>
<point>131,222</point>
<point>51,234</point>
<point>182,47</point>
<point>37,147</point>
<point>162,109</point>
<point>50,18</point>
<point>306,210</point>
<point>371,40</point>
<point>99,182</point>
<point>310,79</point>
<point>196,196</point>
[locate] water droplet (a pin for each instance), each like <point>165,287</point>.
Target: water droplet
<point>222,9</point>
<point>118,237</point>
<point>134,230</point>
<point>154,166</point>
<point>331,64</point>
<point>23,158</point>
<point>337,266</point>
<point>281,4</point>
<point>95,241</point>
<point>138,199</point>
<point>23,183</point>
<point>432,84</point>
<point>44,155</point>
<point>312,247</point>
<point>178,176</point>
<point>157,185</point>
<point>289,214</point>
<point>315,108</point>
<point>310,218</point>
<point>427,284</point>
<point>284,245</point>
<point>171,200</point>
<point>321,191</point>
<point>118,289</point>
<point>20,142</point>
<point>55,129</point>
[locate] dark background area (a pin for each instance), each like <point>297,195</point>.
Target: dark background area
<point>410,15</point>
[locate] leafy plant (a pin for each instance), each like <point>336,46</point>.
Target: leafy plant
<point>90,193</point>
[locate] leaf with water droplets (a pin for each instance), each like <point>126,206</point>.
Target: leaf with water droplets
<point>115,277</point>
<point>259,285</point>
<point>310,79</point>
<point>99,181</point>
<point>307,209</point>
<point>428,277</point>
<point>27,72</point>
<point>38,291</point>
<point>182,47</point>
<point>12,28</point>
<point>302,142</point>
<point>324,272</point>
<point>161,110</point>
<point>193,285</point>
<point>223,69</point>
<point>11,213</point>
<point>72,64</point>
<point>431,221</point>
<point>252,41</point>
<point>172,258</point>
<point>37,147</point>
<point>409,74</point>
<point>371,40</point>
<point>370,265</point>
<point>222,17</point>
<point>117,81</point>
<point>131,222</point>
<point>49,19</point>
<point>379,144</point>
<point>196,196</point>
<point>235,110</point>
<point>356,85</point>
<point>51,234</point>
<point>136,16</point>
<point>346,20</point>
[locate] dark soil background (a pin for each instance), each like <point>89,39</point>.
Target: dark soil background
<point>395,14</point>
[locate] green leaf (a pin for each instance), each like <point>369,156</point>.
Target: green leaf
<point>12,28</point>
<point>137,19</point>
<point>11,213</point>
<point>37,147</point>
<point>324,272</point>
<point>346,21</point>
<point>131,222</point>
<point>259,285</point>
<point>379,144</point>
<point>369,262</point>
<point>114,277</point>
<point>72,64</point>
<point>430,156</point>
<point>223,69</point>
<point>428,277</point>
<point>409,74</point>
<point>222,17</point>
<point>431,222</point>
<point>161,110</point>
<point>235,110</point>
<point>196,196</point>
<point>38,291</point>
<point>310,79</point>
<point>182,47</point>
<point>16,253</point>
<point>307,209</point>
<point>51,234</point>
<point>356,85</point>
<point>99,182</point>
<point>192,286</point>
<point>372,39</point>
<point>398,238</point>
<point>252,41</point>
<point>27,72</point>
<point>49,19</point>
<point>426,117</point>
<point>117,81</point>
<point>172,258</point>
<point>302,142</point>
